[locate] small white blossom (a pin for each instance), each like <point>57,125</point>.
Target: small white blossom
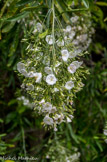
<point>71,116</point>
<point>42,101</point>
<point>105,132</point>
<point>56,89</point>
<point>75,42</point>
<point>39,27</point>
<point>72,54</point>
<point>55,129</point>
<point>51,79</point>
<point>71,35</point>
<point>24,72</point>
<point>69,120</point>
<point>47,120</point>
<point>53,110</point>
<point>49,39</point>
<point>57,64</point>
<point>68,28</point>
<point>47,107</point>
<point>69,85</point>
<point>74,19</point>
<point>25,102</point>
<point>23,85</point>
<point>30,87</point>
<point>65,38</point>
<point>20,66</point>
<point>60,43</point>
<point>77,63</point>
<point>38,77</point>
<point>58,118</point>
<point>65,54</point>
<point>82,38</point>
<point>48,70</point>
<point>31,74</point>
<point>105,140</point>
<point>79,28</point>
<point>72,68</point>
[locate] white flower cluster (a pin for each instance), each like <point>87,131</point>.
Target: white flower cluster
<point>26,101</point>
<point>80,32</point>
<point>73,158</point>
<point>53,72</point>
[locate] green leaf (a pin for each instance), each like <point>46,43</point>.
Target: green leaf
<point>42,35</point>
<point>18,16</point>
<point>8,27</point>
<point>1,121</point>
<point>86,3</point>
<point>35,7</point>
<point>105,19</point>
<point>2,135</point>
<point>23,2</point>
<point>101,3</point>
<point>99,145</point>
<point>72,133</point>
<point>62,10</point>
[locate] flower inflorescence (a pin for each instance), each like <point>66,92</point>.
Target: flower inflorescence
<point>52,72</point>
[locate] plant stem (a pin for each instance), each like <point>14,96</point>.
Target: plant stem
<point>53,30</point>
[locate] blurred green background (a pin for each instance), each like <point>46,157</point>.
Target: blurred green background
<point>21,132</point>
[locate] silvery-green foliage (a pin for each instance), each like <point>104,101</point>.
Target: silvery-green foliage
<point>53,70</point>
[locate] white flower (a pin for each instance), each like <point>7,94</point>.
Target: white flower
<point>71,35</point>
<point>68,28</point>
<point>24,72</point>
<point>49,39</point>
<point>47,107</point>
<point>72,68</point>
<point>31,74</point>
<point>53,109</point>
<point>69,120</point>
<point>72,54</point>
<point>79,28</point>
<point>30,87</point>
<point>48,70</point>
<point>77,63</point>
<point>65,54</point>
<point>47,120</point>
<point>75,42</point>
<point>55,129</point>
<point>58,118</point>
<point>42,101</point>
<point>56,89</point>
<point>78,51</point>
<point>57,64</point>
<point>23,85</point>
<point>38,77</point>
<point>71,116</point>
<point>35,30</point>
<point>74,19</point>
<point>65,38</point>
<point>25,102</point>
<point>69,85</point>
<point>39,27</point>
<point>20,66</point>
<point>105,140</point>
<point>82,38</point>
<point>60,43</point>
<point>51,79</point>
<point>105,132</point>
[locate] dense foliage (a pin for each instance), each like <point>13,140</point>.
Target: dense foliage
<point>21,129</point>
